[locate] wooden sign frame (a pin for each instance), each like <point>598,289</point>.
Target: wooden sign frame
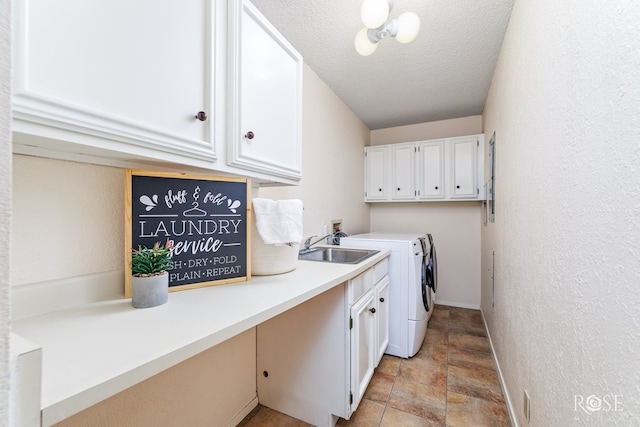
<point>206,218</point>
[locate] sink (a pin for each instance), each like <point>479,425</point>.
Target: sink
<point>336,255</point>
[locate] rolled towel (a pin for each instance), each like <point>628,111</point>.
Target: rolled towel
<point>279,222</point>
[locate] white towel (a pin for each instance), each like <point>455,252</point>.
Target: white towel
<point>278,222</point>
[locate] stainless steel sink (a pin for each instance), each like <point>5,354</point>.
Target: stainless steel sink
<point>336,255</point>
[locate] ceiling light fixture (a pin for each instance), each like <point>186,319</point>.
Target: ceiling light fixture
<point>374,15</point>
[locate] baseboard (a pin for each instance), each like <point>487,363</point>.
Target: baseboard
<point>243,413</point>
<point>505,392</point>
<point>457,304</point>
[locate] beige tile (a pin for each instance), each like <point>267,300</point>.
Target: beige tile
<point>467,342</point>
<point>433,352</point>
<point>380,387</point>
<point>476,382</point>
<point>463,316</point>
<point>368,414</point>
<point>464,411</point>
<point>436,336</point>
<point>267,417</point>
<point>395,418</point>
<point>440,314</point>
<point>465,358</point>
<point>438,324</point>
<point>389,365</point>
<point>418,399</point>
<point>424,371</point>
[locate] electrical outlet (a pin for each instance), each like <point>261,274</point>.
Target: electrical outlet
<point>336,225</point>
<point>527,407</point>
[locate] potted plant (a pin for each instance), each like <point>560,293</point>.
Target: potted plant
<point>150,281</point>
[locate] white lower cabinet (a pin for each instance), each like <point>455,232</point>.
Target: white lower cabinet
<point>382,317</point>
<point>315,361</point>
<point>363,345</point>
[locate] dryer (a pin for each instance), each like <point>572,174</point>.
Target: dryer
<point>411,297</point>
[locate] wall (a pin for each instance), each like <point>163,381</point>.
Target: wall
<point>332,162</point>
<point>5,205</point>
<point>202,391</point>
<point>564,106</point>
<point>428,130</point>
<point>70,217</point>
<point>455,226</point>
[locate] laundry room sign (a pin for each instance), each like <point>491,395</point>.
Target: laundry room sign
<point>203,218</point>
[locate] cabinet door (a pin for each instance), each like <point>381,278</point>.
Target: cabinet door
<point>362,346</point>
<point>463,162</point>
<point>403,171</point>
<point>431,170</point>
<point>266,76</point>
<point>375,169</point>
<point>382,317</point>
<point>117,75</point>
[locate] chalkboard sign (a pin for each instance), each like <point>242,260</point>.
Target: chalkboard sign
<point>205,219</point>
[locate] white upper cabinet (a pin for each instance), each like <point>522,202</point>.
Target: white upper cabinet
<point>431,157</point>
<point>376,171</point>
<point>266,96</point>
<point>434,170</point>
<point>463,162</point>
<point>195,85</point>
<point>96,78</point>
<point>403,171</point>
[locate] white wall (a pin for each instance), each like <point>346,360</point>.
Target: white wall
<point>5,205</point>
<point>333,141</point>
<point>564,104</point>
<point>455,226</point>
<point>68,219</point>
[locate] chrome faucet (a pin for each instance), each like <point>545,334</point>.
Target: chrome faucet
<point>306,246</point>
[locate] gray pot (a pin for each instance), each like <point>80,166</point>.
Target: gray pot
<point>149,291</point>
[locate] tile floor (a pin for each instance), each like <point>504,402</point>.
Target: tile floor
<point>451,381</point>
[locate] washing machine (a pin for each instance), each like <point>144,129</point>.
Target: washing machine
<point>412,285</point>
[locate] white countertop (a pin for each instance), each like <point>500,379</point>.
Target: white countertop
<point>94,351</point>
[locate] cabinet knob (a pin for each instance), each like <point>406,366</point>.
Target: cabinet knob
<point>381,299</point>
<point>379,189</point>
<point>202,116</point>
<point>249,135</point>
<point>372,310</point>
<point>398,188</point>
<point>457,186</point>
<point>436,187</point>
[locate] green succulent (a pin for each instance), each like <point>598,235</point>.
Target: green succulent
<point>151,261</point>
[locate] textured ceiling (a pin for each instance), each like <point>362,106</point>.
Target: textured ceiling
<point>445,73</point>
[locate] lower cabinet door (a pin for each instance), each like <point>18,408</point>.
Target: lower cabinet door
<point>363,347</point>
<point>382,317</point>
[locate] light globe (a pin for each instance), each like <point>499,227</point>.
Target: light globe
<point>363,45</point>
<point>408,27</point>
<point>374,12</point>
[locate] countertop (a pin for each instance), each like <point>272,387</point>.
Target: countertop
<point>94,351</point>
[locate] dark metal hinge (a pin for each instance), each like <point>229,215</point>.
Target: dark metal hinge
<point>350,322</point>
<point>350,398</point>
